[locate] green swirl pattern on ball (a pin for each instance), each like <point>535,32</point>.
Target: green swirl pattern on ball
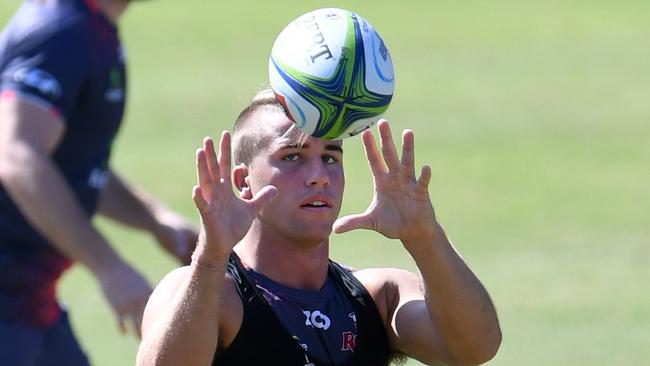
<point>342,98</point>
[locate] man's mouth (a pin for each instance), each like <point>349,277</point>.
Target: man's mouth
<point>316,202</point>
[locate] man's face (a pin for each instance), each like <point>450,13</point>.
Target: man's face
<point>309,178</point>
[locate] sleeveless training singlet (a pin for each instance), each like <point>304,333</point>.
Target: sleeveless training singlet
<point>268,337</point>
<point>323,322</point>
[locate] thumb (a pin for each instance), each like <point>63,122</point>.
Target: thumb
<point>265,196</point>
<point>199,201</point>
<point>352,222</point>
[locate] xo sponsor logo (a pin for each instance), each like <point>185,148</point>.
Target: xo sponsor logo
<point>317,319</point>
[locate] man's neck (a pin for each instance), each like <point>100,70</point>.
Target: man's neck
<point>112,8</point>
<point>301,267</point>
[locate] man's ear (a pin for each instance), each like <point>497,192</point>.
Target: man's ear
<point>240,180</point>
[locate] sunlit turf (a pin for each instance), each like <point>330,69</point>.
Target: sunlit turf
<point>533,116</point>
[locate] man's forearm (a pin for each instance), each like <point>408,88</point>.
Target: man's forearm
<point>45,199</point>
<point>128,205</point>
<point>133,207</point>
<point>457,301</point>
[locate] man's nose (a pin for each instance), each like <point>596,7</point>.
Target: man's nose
<point>317,174</point>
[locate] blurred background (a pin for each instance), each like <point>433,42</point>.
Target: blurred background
<point>535,117</point>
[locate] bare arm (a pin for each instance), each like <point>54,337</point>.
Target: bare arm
<point>28,135</point>
<point>181,322</point>
<point>186,318</point>
<point>451,317</point>
<point>444,315</point>
<point>456,302</point>
<point>131,206</point>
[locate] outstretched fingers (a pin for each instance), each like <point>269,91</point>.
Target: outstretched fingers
<point>388,146</point>
<point>203,176</point>
<point>213,163</point>
<point>408,154</point>
<point>377,165</point>
<point>213,171</point>
<point>425,178</point>
<point>224,160</point>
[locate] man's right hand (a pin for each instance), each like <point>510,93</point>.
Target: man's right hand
<point>127,292</point>
<point>225,218</point>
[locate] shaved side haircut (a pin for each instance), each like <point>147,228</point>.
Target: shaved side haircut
<point>248,134</point>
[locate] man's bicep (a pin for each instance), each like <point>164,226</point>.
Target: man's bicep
<point>400,299</point>
<point>26,123</point>
<point>161,298</point>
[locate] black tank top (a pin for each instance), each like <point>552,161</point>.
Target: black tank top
<point>263,340</point>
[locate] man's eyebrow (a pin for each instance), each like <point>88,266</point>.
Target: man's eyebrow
<point>330,147</point>
<point>294,146</point>
<point>334,148</point>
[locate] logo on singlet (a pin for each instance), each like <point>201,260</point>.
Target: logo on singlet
<point>353,316</point>
<point>303,345</point>
<point>349,341</point>
<point>115,93</point>
<point>121,54</point>
<point>38,79</point>
<point>98,178</point>
<point>317,319</point>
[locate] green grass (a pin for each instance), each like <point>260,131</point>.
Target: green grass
<point>533,115</point>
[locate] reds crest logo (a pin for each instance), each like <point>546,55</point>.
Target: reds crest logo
<point>349,341</point>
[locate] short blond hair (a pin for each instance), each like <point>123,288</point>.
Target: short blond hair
<point>248,138</point>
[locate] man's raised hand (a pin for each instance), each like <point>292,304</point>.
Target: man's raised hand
<point>400,208</point>
<point>225,218</point>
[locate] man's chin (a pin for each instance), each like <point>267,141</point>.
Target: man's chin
<point>317,233</point>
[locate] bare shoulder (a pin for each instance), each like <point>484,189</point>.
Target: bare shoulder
<point>162,295</point>
<point>230,310</point>
<point>170,284</point>
<point>389,287</point>
<point>377,280</point>
<point>164,291</point>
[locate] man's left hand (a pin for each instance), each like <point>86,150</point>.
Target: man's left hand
<point>401,208</point>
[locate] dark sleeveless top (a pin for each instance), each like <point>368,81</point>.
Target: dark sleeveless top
<point>263,340</point>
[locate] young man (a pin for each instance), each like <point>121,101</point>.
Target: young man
<point>261,289</point>
<point>63,85</point>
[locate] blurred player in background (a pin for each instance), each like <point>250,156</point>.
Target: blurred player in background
<point>63,90</point>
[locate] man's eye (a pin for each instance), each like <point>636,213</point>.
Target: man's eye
<point>329,159</point>
<point>292,157</point>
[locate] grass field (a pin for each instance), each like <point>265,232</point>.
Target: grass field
<point>535,117</point>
